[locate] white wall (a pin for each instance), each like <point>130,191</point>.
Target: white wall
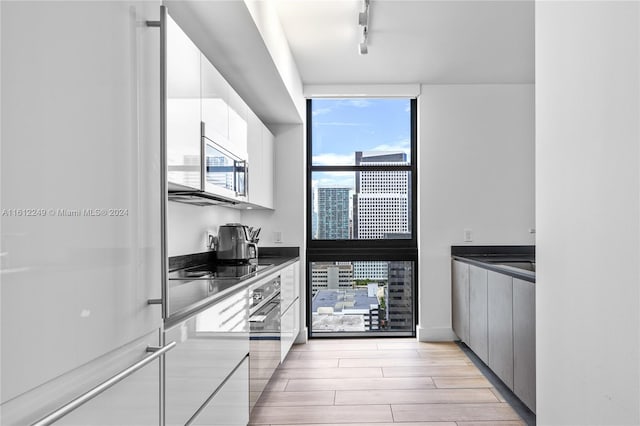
<point>476,171</point>
<point>187,226</point>
<point>588,210</point>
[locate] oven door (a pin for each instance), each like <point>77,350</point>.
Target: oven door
<point>264,347</point>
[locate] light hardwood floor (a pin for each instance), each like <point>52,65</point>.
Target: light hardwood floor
<point>380,382</point>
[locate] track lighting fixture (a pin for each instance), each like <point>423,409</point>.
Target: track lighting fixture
<point>363,22</point>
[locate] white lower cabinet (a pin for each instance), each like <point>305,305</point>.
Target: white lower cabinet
<point>212,349</point>
<point>289,328</point>
<point>230,404</point>
<point>133,401</point>
<point>290,307</point>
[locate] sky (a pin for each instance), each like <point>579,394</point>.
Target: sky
<point>340,127</point>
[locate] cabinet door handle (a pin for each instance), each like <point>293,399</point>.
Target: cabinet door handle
<point>161,24</point>
<point>82,399</point>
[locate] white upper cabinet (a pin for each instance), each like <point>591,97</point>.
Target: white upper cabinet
<point>260,150</point>
<point>215,104</point>
<point>224,113</point>
<point>238,111</point>
<point>238,148</point>
<point>183,108</point>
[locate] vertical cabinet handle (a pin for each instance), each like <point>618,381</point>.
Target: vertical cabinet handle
<point>161,24</point>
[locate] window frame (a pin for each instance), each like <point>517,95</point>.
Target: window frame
<point>364,249</point>
<point>315,244</point>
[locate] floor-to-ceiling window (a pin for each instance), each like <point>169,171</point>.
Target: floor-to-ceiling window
<point>361,233</point>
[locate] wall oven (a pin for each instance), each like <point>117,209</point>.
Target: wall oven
<point>264,337</point>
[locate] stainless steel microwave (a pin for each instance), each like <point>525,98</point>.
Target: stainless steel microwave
<point>223,171</point>
<point>220,177</point>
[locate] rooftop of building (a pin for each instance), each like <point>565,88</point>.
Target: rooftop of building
<point>342,300</point>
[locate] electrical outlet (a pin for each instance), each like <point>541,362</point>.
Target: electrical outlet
<point>277,237</point>
<point>206,239</point>
<point>468,235</point>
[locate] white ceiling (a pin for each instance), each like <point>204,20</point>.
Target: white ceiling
<point>412,41</point>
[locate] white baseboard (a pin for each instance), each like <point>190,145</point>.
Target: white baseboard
<point>435,334</point>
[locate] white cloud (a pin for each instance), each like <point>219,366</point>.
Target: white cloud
<point>358,103</point>
<point>330,159</point>
<point>402,145</point>
<point>335,179</point>
<point>320,111</point>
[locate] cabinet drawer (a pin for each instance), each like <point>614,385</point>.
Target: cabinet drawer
<point>290,328</point>
<point>133,400</point>
<point>210,345</point>
<point>289,285</point>
<point>230,404</point>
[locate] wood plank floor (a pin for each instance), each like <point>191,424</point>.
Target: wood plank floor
<point>381,382</point>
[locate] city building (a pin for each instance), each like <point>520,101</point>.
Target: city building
<point>331,275</point>
<point>345,310</point>
<point>381,206</point>
<point>400,295</point>
<point>333,213</point>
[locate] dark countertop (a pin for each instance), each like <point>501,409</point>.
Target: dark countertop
<point>515,261</point>
<point>188,296</point>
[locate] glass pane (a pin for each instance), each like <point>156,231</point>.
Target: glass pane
<point>369,205</point>
<point>362,297</point>
<point>361,131</point>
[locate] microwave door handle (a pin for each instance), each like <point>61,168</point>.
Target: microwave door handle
<point>240,165</point>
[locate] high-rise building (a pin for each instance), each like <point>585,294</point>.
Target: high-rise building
<point>331,276</point>
<point>381,206</point>
<point>333,213</point>
<point>314,216</point>
<point>400,296</point>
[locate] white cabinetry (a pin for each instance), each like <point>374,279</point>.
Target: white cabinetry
<point>261,160</point>
<point>215,103</point>
<point>224,113</point>
<point>290,307</point>
<point>133,401</point>
<point>236,156</point>
<point>79,93</point>
<point>212,345</point>
<point>229,406</point>
<point>238,111</point>
<point>183,105</point>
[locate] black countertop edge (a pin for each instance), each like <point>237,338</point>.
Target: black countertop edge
<point>277,263</point>
<point>210,258</point>
<point>490,251</point>
<point>521,274</point>
<point>278,251</point>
